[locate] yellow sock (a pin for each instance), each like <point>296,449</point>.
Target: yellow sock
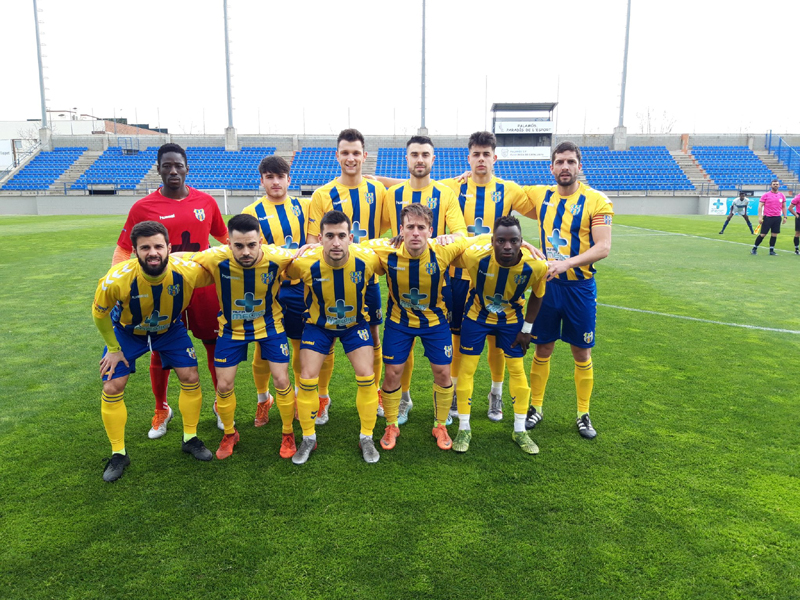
<point>367,403</point>
<point>442,400</point>
<point>115,415</point>
<point>295,360</point>
<point>377,365</point>
<point>285,401</point>
<point>391,405</point>
<point>469,364</point>
<point>308,404</point>
<point>408,370</point>
<point>189,402</point>
<point>584,382</point>
<point>497,360</point>
<point>325,374</point>
<point>261,372</point>
<point>226,407</point>
<point>540,373</point>
<point>518,385</point>
<point>455,366</point>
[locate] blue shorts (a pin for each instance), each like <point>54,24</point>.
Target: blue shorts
<point>293,302</point>
<point>229,352</point>
<point>473,337</point>
<point>460,291</point>
<point>174,347</point>
<point>373,300</point>
<point>399,339</point>
<point>321,340</point>
<point>568,313</point>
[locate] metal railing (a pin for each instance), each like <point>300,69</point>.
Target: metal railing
<point>19,160</point>
<point>785,153</point>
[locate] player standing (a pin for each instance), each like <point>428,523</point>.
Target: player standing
<point>794,208</point>
<point>738,207</point>
<point>145,297</point>
<point>362,201</point>
<point>190,217</point>
<point>575,232</point>
<point>336,276</point>
<point>245,275</point>
<point>500,272</point>
<point>447,216</point>
<point>284,221</point>
<point>771,208</point>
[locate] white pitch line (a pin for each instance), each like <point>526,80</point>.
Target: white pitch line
<point>699,237</point>
<point>660,314</point>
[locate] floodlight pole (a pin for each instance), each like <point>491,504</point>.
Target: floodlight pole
<point>625,66</point>
<point>228,63</point>
<point>422,129</point>
<point>41,69</point>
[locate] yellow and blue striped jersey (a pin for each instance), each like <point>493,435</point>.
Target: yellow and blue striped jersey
<point>497,294</point>
<point>335,295</point>
<point>284,224</point>
<point>482,205</point>
<point>438,197</point>
<point>146,306</point>
<point>415,284</point>
<point>248,307</point>
<point>565,224</point>
<point>363,204</point>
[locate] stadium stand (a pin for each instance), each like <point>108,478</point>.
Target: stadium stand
<point>211,167</point>
<point>732,167</point>
<point>640,168</point>
<point>315,166</point>
<point>525,172</point>
<point>450,162</point>
<point>44,169</point>
<point>112,167</point>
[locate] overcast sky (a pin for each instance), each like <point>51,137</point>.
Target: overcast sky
<point>700,66</point>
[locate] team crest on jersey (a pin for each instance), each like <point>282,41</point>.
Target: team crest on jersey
<point>190,352</point>
<point>497,197</point>
<point>575,209</point>
<point>448,351</point>
<point>588,337</point>
<point>363,334</point>
<point>370,198</point>
<point>267,278</point>
<point>174,290</point>
<point>297,212</point>
<point>430,268</point>
<point>520,279</point>
<point>285,349</point>
<point>356,276</point>
<point>433,203</point>
<point>200,214</point>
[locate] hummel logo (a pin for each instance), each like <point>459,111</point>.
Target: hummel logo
<point>167,217</point>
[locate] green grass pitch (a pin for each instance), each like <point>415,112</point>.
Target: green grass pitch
<point>690,490</point>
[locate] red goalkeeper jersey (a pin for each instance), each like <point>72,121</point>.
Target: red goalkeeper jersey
<point>189,221</point>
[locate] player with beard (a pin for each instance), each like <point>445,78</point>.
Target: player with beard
<point>190,217</point>
<point>574,233</point>
<point>246,276</point>
<point>145,297</point>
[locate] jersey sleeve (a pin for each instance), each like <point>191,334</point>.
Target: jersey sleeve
<point>315,213</point>
<point>280,256</point>
<point>535,194</point>
<point>106,295</point>
<point>208,259</point>
<point>218,227</point>
<point>298,266</point>
<point>124,240</point>
<point>453,217</point>
<point>451,183</point>
<point>519,199</point>
<point>538,281</point>
<point>197,274</point>
<point>603,211</point>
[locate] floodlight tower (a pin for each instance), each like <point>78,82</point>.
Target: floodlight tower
<point>231,143</point>
<point>44,133</point>
<point>422,129</point>
<point>620,139</point>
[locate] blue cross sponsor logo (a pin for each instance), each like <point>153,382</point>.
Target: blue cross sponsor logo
<point>495,303</point>
<point>411,300</point>
<point>174,290</point>
<point>717,204</point>
<point>433,203</point>
<point>154,322</point>
<point>357,232</point>
<point>248,304</point>
<point>340,310</point>
<point>430,268</point>
<point>290,244</point>
<point>556,241</point>
<point>478,228</point>
<point>356,276</point>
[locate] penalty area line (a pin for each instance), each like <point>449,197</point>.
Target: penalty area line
<point>660,314</point>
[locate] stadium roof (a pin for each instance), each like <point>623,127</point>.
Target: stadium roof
<point>523,106</point>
